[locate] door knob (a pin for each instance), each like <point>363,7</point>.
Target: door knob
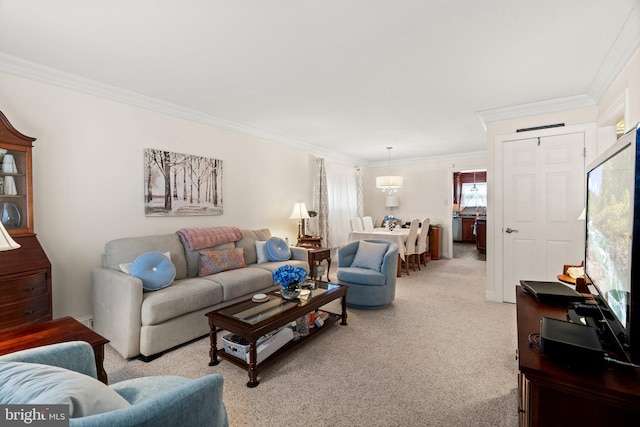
<point>509,230</point>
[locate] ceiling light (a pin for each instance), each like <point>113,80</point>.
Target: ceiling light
<point>389,183</point>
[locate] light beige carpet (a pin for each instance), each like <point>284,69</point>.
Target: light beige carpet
<point>440,355</point>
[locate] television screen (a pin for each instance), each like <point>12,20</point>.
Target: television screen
<point>610,228</point>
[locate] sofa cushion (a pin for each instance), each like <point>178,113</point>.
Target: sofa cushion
<point>248,243</point>
<point>244,281</point>
<point>120,251</point>
<point>184,296</point>
<point>273,266</point>
<point>37,384</point>
<point>154,269</point>
<point>261,251</point>
<point>361,276</point>
<point>277,249</point>
<point>212,261</point>
<point>369,255</point>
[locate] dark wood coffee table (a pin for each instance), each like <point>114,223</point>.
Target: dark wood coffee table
<point>277,312</point>
<point>54,332</point>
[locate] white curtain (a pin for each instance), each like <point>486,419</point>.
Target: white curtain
<point>473,195</point>
<point>342,201</point>
<point>320,224</point>
<point>360,192</point>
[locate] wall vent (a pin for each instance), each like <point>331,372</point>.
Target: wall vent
<point>557,125</point>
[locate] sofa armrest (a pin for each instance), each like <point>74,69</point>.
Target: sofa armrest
<point>117,307</point>
<point>390,263</point>
<point>73,355</point>
<point>193,403</point>
<point>299,254</point>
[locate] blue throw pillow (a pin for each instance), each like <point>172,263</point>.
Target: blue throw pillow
<point>277,249</point>
<point>370,255</point>
<point>154,269</point>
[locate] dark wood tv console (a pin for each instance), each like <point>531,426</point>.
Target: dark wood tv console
<point>550,394</point>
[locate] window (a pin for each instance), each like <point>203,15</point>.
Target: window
<point>473,195</point>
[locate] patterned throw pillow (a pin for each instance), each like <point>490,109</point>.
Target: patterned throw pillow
<point>212,261</point>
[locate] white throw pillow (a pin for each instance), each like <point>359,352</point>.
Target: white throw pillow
<point>370,255</point>
<point>37,384</point>
<point>260,251</point>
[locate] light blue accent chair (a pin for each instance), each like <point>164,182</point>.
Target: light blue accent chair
<point>155,401</point>
<point>368,288</point>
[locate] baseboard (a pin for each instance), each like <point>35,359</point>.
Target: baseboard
<point>86,321</point>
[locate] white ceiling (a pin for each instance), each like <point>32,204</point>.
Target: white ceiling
<point>344,77</point>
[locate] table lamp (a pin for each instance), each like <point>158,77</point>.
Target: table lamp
<point>299,212</point>
<point>6,242</point>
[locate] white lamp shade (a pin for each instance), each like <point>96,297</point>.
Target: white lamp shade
<point>392,202</point>
<point>389,181</point>
<point>299,211</point>
<point>6,242</point>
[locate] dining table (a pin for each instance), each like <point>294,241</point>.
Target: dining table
<point>397,236</point>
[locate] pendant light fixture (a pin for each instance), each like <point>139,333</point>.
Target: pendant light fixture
<point>389,183</point>
<point>474,188</point>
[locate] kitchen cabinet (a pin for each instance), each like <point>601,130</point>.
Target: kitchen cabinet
<point>481,234</point>
<point>467,229</point>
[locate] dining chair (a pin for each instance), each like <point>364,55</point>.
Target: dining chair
<point>423,242</point>
<point>410,245</point>
<point>356,224</point>
<point>367,223</point>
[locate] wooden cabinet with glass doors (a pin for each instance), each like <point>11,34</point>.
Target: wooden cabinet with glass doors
<point>25,272</point>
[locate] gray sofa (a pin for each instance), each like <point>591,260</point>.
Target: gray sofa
<point>147,323</point>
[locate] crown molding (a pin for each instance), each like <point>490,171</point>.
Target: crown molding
<point>30,70</point>
<point>449,158</point>
<point>535,108</point>
<point>625,45</point>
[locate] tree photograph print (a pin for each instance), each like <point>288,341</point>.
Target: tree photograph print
<point>181,184</point>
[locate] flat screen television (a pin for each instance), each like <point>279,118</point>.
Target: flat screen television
<point>612,250</point>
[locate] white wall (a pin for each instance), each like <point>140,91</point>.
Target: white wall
<point>88,178</point>
<point>427,192</point>
<point>626,87</point>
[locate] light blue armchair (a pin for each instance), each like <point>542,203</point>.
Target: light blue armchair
<point>155,401</point>
<point>369,288</point>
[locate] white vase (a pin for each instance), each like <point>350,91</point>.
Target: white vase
<point>10,186</point>
<point>9,164</point>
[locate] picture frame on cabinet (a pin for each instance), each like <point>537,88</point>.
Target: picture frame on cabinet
<point>178,184</point>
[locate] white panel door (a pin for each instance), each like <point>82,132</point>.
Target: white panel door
<point>543,191</point>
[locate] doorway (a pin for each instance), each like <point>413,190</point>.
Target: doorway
<point>469,214</point>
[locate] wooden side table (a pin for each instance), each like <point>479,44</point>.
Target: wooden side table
<point>310,242</point>
<point>434,242</point>
<point>54,332</point>
<point>316,256</point>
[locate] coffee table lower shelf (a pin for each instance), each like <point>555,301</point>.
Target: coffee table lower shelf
<point>253,382</point>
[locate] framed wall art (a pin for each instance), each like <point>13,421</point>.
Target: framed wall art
<point>181,184</point>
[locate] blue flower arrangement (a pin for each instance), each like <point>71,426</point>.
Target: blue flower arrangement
<point>391,221</point>
<point>289,277</point>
